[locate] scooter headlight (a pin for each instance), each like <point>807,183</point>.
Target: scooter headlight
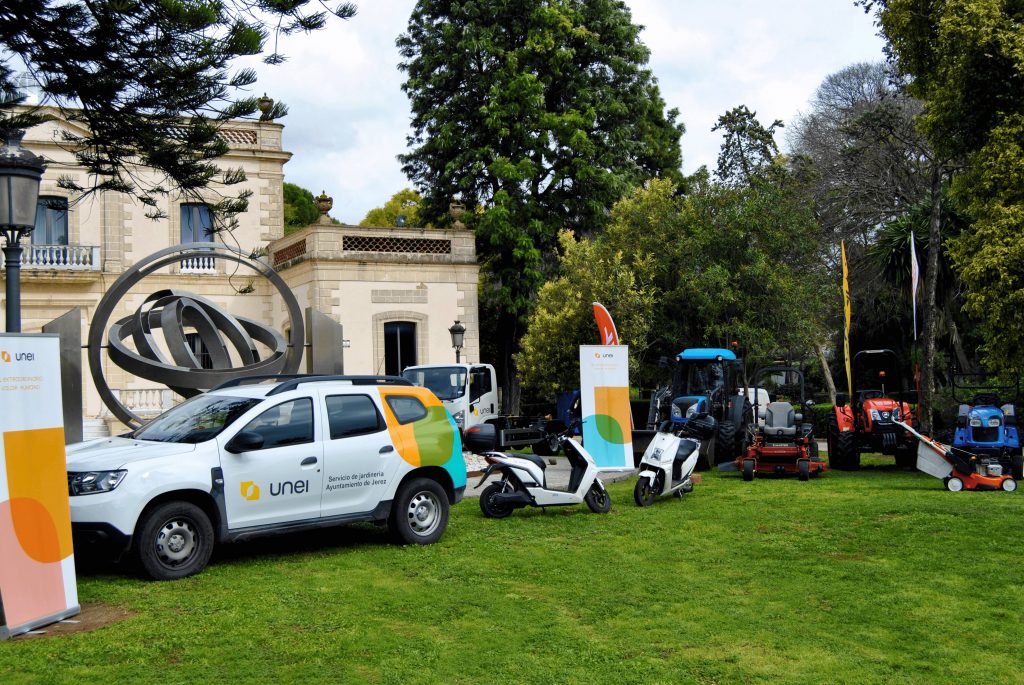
<point>460,418</point>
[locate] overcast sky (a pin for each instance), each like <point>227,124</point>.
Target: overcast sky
<point>349,117</point>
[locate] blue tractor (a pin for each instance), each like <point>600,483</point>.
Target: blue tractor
<point>986,422</point>
<point>707,381</point>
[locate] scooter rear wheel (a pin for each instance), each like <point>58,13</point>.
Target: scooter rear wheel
<point>490,508</point>
<point>643,493</point>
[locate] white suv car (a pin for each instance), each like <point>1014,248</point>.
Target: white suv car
<point>248,459</point>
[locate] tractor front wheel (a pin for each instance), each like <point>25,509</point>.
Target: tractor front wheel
<point>725,443</point>
<point>1017,467</point>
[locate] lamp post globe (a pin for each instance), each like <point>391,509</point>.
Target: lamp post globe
<point>458,333</point>
<point>21,171</point>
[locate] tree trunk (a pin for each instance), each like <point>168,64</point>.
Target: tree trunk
<point>830,384</point>
<point>931,314</point>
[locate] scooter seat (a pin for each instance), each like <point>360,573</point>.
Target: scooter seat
<point>535,459</point>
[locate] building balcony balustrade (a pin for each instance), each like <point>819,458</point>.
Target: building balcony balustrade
<point>60,257</point>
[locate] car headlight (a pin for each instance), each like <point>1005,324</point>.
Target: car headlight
<point>93,482</point>
<point>875,416</point>
<point>460,418</point>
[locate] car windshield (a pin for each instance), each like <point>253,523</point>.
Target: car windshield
<point>447,382</point>
<point>197,420</point>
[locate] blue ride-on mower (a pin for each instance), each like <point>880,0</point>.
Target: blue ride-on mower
<point>986,422</point>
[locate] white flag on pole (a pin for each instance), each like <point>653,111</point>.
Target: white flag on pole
<point>915,274</point>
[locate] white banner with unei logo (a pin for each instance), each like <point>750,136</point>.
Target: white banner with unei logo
<point>37,564</point>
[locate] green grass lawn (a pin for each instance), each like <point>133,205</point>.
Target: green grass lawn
<point>876,576</point>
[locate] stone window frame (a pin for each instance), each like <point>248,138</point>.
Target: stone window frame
<point>174,225</point>
<point>51,189</point>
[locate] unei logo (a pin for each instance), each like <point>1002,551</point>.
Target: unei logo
<point>18,356</point>
<point>250,490</point>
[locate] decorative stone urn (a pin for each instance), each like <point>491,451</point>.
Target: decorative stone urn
<point>324,203</point>
<point>456,210</point>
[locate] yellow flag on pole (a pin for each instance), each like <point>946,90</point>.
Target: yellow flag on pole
<point>846,318</point>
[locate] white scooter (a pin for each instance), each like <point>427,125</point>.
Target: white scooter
<point>669,460</point>
<point>523,482</point>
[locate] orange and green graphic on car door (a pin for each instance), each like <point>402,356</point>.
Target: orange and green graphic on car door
<point>427,441</point>
<point>35,524</point>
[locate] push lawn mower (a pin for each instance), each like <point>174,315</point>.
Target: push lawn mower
<point>782,444</point>
<point>958,468</point>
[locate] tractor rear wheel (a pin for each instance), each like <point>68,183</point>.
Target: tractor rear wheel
<point>1017,467</point>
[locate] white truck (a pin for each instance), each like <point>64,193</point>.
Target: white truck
<point>470,393</point>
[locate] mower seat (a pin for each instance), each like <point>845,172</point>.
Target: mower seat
<point>780,420</point>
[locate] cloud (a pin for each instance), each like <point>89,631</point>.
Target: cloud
<point>349,118</point>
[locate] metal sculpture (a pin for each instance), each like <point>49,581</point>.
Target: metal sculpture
<point>172,311</point>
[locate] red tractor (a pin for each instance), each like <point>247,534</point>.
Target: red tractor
<point>869,421</point>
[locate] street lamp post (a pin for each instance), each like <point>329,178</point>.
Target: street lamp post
<point>458,332</point>
<point>20,173</point>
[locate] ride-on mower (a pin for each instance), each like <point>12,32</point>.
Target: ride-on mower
<point>871,422</point>
<point>782,443</point>
<point>986,422</point>
<point>959,469</point>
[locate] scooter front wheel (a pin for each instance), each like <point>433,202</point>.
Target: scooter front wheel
<point>491,508</point>
<point>643,493</point>
<point>597,499</point>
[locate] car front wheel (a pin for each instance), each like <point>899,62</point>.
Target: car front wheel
<point>420,512</point>
<point>174,540</point>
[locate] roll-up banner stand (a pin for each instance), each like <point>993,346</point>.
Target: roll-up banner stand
<point>37,566</point>
<point>604,393</point>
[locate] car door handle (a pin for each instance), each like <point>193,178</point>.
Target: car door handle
<point>385,449</point>
<point>308,460</point>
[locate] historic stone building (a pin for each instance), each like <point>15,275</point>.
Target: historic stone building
<point>396,291</point>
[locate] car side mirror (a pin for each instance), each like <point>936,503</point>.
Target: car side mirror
<point>481,438</point>
<point>841,399</point>
<point>245,441</point>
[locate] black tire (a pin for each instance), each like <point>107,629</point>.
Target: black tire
<point>748,469</point>
<point>812,450</point>
<point>550,446</point>
<point>803,469</point>
<point>846,447</point>
<point>419,514</point>
<point>643,493</point>
<point>1017,467</point>
<point>173,540</point>
<point>725,443</point>
<point>490,508</point>
<point>906,456</point>
<point>597,499</point>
